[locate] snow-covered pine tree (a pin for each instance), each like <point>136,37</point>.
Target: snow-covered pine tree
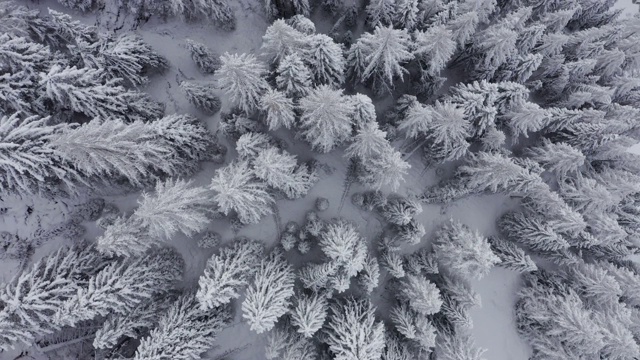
<point>458,345</point>
<point>560,158</point>
<point>278,109</point>
<point>227,272</point>
<point>400,210</point>
<point>380,12</point>
<point>293,76</point>
<point>133,324</point>
<point>394,263</point>
<point>20,54</point>
<point>82,5</point>
<point>325,60</point>
<point>434,47</point>
<point>121,286</point>
<point>280,171</point>
<point>369,276</point>
<point>125,237</point>
<point>184,332</point>
<point>463,252</point>
<point>268,297</point>
<point>239,190</point>
<point>512,256</point>
<point>326,118</point>
<point>531,231</point>
<point>29,300</point>
<point>407,14</point>
<point>302,24</point>
<point>241,77</point>
<point>284,343</point>
<point>318,276</point>
<point>218,11</point>
<point>202,96</point>
<point>281,40</point>
<point>364,111</point>
<point>422,295</point>
<point>249,145</point>
<point>553,318</point>
<point>495,172</point>
<point>309,314</point>
<point>347,318</point>
<point>341,242</point>
<point>28,161</point>
<point>385,52</point>
<point>128,57</point>
<point>207,61</point>
<point>414,327</point>
<point>170,146</point>
<point>83,91</point>
<point>176,206</point>
<point>381,164</point>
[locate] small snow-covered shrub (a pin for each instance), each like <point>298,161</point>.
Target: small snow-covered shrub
<point>322,204</point>
<point>209,240</point>
<point>202,96</point>
<point>206,60</point>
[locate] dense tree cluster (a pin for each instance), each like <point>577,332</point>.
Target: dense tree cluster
<point>532,100</point>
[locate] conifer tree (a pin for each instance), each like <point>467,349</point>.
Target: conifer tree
<point>81,90</point>
<point>28,159</point>
<point>380,13</point>
<point>267,298</point>
<point>414,327</point>
<point>294,77</point>
<point>400,210</point>
<point>279,170</point>
<point>450,346</point>
<point>422,295</point>
<point>201,96</point>
<point>239,190</point>
<point>184,332</point>
<point>128,57</point>
<point>532,232</point>
<point>341,243</point>
<point>325,60</point>
<point>227,272</point>
<point>407,14</point>
<point>309,313</point>
<point>278,109</point>
<point>369,277</point>
<point>249,145</point>
<point>241,77</point>
<point>385,51</point>
<point>326,118</point>
<point>559,158</point>
<point>133,324</point>
<point>176,206</point>
<point>281,40</point>
<point>512,256</point>
<point>434,48</point>
<point>463,251</point>
<point>138,151</point>
<point>364,111</point>
<point>207,61</point>
<point>352,331</point>
<point>381,164</point>
<point>318,276</point>
<point>32,297</point>
<point>121,286</point>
